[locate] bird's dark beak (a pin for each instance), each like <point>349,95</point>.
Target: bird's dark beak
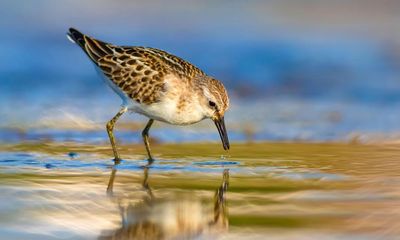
<point>220,123</point>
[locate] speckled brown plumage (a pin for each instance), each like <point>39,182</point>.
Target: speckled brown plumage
<point>138,71</point>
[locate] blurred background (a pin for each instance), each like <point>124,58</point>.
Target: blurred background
<point>300,70</point>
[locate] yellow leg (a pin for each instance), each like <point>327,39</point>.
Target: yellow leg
<point>110,128</point>
<point>145,135</point>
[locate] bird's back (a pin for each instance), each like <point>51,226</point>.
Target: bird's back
<point>139,72</point>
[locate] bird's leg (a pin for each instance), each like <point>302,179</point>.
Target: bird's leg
<point>145,135</point>
<point>110,127</point>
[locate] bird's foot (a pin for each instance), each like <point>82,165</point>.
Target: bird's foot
<point>150,161</point>
<point>117,160</point>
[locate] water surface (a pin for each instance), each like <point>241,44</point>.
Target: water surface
<point>256,191</point>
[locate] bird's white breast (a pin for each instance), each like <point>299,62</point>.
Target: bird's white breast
<point>166,110</point>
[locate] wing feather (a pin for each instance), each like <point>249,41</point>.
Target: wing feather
<point>138,71</point>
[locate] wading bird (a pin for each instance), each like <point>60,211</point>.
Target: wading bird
<point>156,84</point>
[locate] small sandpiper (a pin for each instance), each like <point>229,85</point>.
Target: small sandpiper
<point>156,84</point>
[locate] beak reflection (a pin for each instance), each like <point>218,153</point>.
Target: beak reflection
<point>220,123</point>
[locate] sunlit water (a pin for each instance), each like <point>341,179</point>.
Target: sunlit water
<point>256,191</point>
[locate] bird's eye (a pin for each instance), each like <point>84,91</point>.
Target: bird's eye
<point>211,103</point>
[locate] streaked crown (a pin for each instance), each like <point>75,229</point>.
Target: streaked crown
<point>220,94</point>
<point>216,96</point>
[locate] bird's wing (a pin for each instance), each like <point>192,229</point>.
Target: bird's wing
<point>139,71</point>
<point>142,79</point>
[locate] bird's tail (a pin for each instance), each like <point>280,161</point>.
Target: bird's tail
<point>95,49</point>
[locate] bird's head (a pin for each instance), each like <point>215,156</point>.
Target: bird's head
<point>215,102</point>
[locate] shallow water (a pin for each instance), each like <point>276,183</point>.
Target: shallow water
<point>257,191</point>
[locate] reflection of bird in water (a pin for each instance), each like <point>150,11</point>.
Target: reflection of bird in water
<point>156,84</point>
<point>155,218</point>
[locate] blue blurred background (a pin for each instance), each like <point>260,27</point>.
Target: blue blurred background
<point>309,70</point>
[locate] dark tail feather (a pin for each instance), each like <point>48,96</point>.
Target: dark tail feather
<point>76,37</point>
<point>95,49</point>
